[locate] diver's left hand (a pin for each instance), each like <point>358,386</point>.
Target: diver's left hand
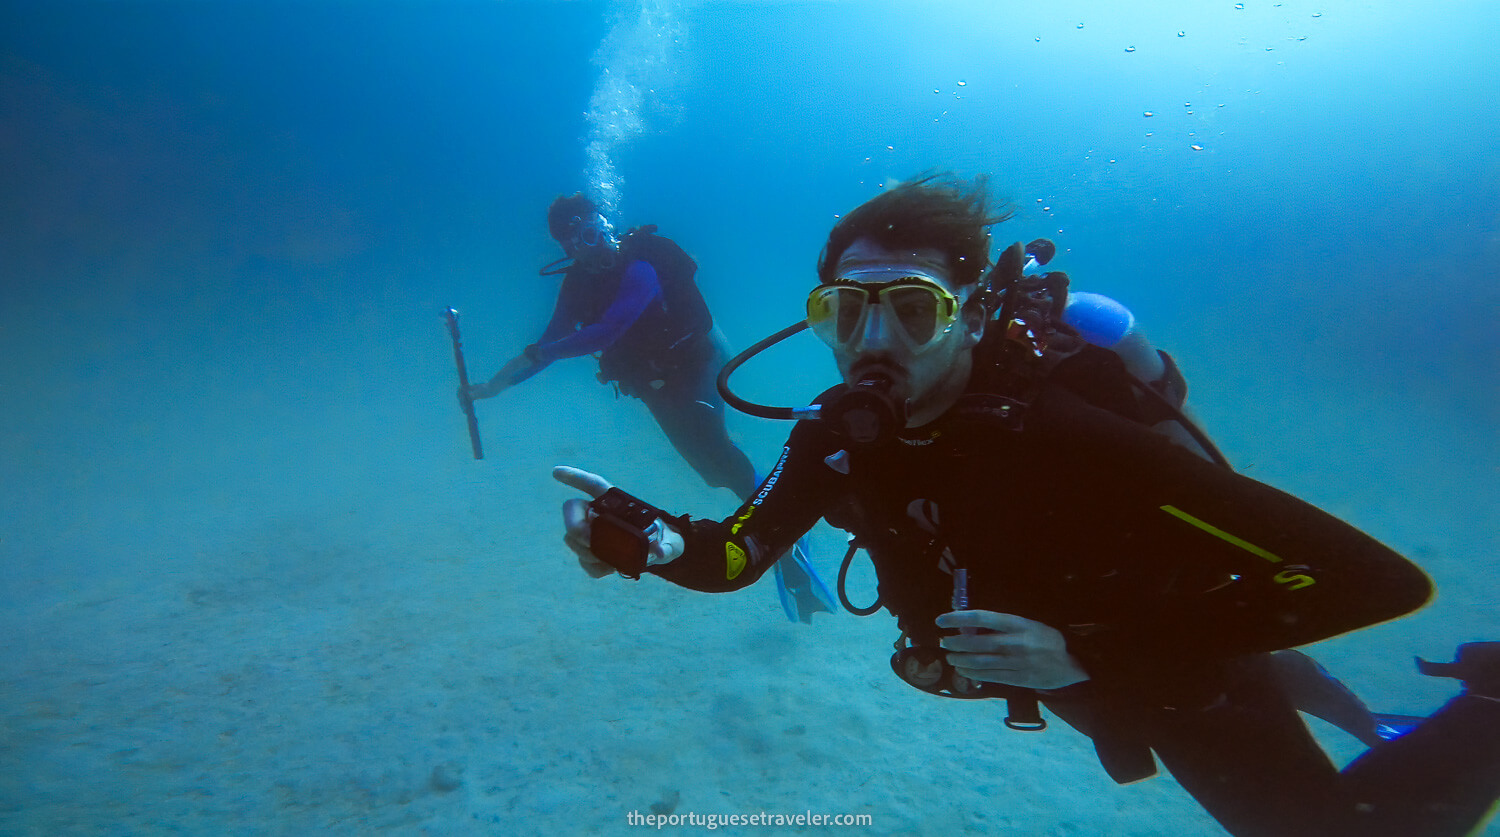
<point>1010,649</point>
<point>666,542</point>
<point>577,517</point>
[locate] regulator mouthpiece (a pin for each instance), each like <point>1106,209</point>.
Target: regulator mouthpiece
<point>867,412</point>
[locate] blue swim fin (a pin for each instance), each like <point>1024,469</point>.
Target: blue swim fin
<point>802,592</point>
<point>1391,727</point>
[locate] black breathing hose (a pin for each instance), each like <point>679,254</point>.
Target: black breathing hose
<point>758,410</point>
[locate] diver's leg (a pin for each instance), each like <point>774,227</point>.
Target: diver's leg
<point>1251,762</point>
<point>1443,778</point>
<point>689,411</point>
<point>1314,691</point>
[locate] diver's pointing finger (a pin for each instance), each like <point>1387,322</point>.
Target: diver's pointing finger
<point>589,483</point>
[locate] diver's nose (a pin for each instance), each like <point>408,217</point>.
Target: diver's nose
<point>875,336</point>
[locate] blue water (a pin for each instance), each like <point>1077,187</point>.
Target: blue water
<point>253,584</point>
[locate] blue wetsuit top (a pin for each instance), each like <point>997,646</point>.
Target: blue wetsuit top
<point>564,338</point>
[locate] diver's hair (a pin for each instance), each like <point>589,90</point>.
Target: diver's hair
<point>939,211</point>
<point>564,209</point>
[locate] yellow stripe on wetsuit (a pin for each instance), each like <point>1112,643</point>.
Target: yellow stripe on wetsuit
<point>1296,580</point>
<point>1221,534</point>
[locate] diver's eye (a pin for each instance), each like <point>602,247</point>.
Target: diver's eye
<point>851,306</point>
<point>916,309</point>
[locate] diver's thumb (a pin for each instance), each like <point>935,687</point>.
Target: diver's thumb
<point>589,483</point>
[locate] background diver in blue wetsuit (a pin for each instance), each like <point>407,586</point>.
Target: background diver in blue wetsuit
<point>633,300</point>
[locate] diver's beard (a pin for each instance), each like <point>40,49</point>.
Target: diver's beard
<point>936,399</point>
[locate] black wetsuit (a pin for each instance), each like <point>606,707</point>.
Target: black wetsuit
<point>666,354</point>
<point>1169,576</point>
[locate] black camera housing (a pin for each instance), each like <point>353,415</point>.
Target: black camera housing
<point>620,532</point>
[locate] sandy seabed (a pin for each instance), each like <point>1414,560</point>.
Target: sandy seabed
<point>414,652</point>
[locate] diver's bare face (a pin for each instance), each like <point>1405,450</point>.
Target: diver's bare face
<point>929,381</point>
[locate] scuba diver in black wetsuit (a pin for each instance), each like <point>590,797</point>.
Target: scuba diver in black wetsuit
<point>1038,541</point>
<point>633,300</point>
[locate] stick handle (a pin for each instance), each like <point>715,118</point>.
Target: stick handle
<point>451,315</point>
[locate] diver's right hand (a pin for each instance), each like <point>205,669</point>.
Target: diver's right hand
<point>474,392</point>
<point>518,368</point>
<point>666,543</point>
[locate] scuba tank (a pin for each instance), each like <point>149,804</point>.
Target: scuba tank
<point>1109,325</point>
<point>1106,323</point>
